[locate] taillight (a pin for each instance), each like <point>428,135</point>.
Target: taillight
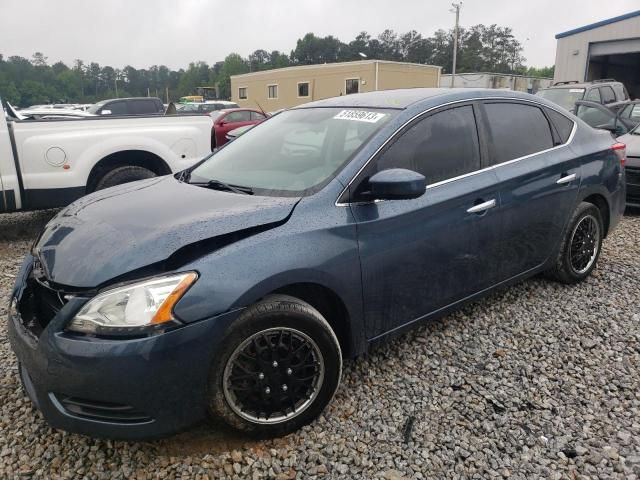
<point>620,149</point>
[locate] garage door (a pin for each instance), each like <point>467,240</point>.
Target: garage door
<point>615,47</point>
<point>619,59</point>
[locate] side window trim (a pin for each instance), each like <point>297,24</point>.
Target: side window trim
<point>344,199</point>
<point>554,134</point>
<point>407,126</point>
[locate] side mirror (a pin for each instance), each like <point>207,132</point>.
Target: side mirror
<point>105,112</point>
<point>397,184</point>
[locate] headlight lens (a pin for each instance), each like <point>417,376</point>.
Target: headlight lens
<point>133,307</point>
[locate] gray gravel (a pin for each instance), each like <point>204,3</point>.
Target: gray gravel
<point>538,381</point>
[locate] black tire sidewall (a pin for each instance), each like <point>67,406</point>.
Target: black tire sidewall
<point>268,314</point>
<point>125,174</point>
<point>583,210</point>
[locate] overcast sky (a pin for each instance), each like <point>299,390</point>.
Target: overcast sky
<point>171,32</point>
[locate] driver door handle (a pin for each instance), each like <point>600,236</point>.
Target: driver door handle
<point>481,207</point>
<point>566,179</point>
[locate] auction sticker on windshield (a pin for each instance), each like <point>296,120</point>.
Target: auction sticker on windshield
<point>359,116</point>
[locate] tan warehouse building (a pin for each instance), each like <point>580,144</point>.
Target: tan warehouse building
<point>291,86</point>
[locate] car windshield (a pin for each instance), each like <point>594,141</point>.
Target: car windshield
<point>293,153</point>
<point>565,97</point>
<point>95,107</point>
<point>190,107</point>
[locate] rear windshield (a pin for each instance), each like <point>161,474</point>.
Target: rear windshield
<point>565,97</point>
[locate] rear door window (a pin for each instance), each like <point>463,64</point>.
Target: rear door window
<point>116,108</point>
<point>233,117</point>
<point>596,117</point>
<point>516,130</point>
<point>142,107</point>
<point>607,95</point>
<point>441,146</point>
<point>257,116</point>
<point>593,95</point>
<point>621,92</point>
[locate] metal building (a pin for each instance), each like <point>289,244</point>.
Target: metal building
<point>606,49</point>
<point>291,86</point>
<point>521,83</point>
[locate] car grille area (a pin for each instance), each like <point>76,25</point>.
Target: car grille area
<point>102,411</point>
<point>38,305</point>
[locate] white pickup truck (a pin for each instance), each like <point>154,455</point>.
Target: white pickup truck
<point>51,163</point>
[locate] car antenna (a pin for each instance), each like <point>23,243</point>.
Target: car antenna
<point>260,108</point>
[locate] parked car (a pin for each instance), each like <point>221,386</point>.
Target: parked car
<point>235,133</point>
<point>566,94</point>
<point>236,287</point>
<point>623,123</point>
<point>50,161</point>
<point>618,120</point>
<point>50,113</point>
<point>632,167</point>
<point>226,120</point>
<point>128,106</point>
<point>205,107</point>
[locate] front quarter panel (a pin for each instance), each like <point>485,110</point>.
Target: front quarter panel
<point>317,245</point>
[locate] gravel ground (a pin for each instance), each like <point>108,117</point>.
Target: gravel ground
<point>538,381</point>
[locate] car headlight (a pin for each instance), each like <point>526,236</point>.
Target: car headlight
<point>132,308</point>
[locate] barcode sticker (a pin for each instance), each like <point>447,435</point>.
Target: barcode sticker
<point>359,116</point>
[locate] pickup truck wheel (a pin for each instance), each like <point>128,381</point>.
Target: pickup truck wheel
<point>580,246</point>
<point>278,367</point>
<point>126,174</point>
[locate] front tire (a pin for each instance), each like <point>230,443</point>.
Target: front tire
<point>125,174</point>
<point>279,367</point>
<point>581,245</point>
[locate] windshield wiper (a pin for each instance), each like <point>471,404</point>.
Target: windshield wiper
<point>218,185</point>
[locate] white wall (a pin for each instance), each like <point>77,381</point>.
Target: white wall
<point>496,80</point>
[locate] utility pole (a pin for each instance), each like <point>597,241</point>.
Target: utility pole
<point>456,10</point>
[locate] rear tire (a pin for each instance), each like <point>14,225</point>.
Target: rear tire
<point>278,368</point>
<point>581,245</point>
<point>126,174</point>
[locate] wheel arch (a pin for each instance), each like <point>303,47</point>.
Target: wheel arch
<point>600,201</point>
<point>330,305</point>
<point>133,157</point>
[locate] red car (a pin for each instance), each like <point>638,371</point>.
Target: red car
<point>230,119</point>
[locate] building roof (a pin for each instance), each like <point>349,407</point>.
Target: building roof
<point>493,74</point>
<point>403,98</point>
<point>602,23</point>
<point>331,65</point>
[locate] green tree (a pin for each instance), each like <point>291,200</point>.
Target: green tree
<point>233,64</point>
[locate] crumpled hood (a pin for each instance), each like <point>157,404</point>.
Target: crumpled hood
<point>118,230</point>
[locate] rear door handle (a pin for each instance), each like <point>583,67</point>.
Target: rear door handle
<point>566,179</point>
<point>481,207</point>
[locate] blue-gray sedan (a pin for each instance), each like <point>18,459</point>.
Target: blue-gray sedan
<point>237,287</point>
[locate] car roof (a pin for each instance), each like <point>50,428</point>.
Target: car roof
<point>401,99</point>
<point>128,98</point>
<point>239,109</point>
<point>580,84</point>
